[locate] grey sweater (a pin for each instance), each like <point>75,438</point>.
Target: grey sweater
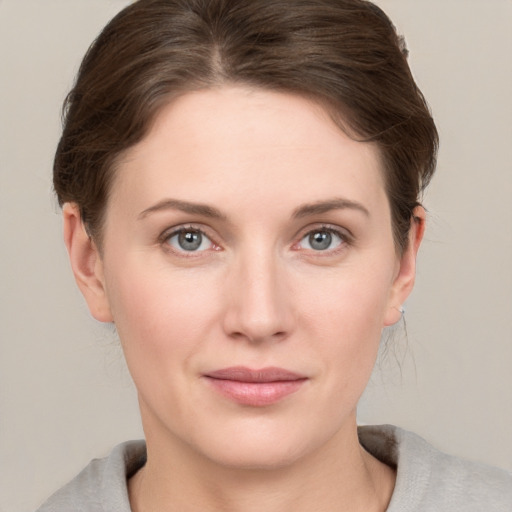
<point>427,480</point>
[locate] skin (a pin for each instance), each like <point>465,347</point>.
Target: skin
<point>271,169</point>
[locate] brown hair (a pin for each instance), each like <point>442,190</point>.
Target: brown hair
<point>343,53</point>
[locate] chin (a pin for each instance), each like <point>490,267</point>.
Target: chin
<point>268,456</point>
<point>263,445</point>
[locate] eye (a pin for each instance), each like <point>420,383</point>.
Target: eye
<point>322,240</point>
<point>189,240</point>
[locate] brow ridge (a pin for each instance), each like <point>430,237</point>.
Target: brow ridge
<point>205,210</point>
<point>320,207</point>
<point>185,206</point>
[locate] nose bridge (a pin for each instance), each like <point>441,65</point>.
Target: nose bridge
<point>259,308</point>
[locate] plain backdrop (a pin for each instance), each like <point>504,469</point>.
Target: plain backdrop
<point>65,396</point>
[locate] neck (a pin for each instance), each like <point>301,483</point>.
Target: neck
<point>339,476</point>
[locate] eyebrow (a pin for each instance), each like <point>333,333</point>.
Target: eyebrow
<point>328,205</point>
<point>205,210</point>
<point>184,206</point>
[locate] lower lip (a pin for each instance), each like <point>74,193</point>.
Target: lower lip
<point>256,394</point>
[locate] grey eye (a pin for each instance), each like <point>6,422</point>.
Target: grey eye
<point>321,240</point>
<point>189,240</point>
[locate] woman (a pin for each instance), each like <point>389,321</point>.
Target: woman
<point>240,185</point>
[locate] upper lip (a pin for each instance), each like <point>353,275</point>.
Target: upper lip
<point>243,374</point>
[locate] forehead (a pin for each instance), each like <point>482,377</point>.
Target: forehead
<point>218,144</point>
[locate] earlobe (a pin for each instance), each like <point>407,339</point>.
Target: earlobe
<point>404,281</point>
<point>86,263</point>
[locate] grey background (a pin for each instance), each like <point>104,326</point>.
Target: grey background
<point>65,395</point>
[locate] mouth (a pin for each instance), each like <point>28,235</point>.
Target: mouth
<point>256,388</point>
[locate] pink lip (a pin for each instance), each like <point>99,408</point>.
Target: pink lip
<point>255,387</point>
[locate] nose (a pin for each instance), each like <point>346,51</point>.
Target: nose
<point>259,302</point>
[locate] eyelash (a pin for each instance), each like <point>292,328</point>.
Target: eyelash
<point>167,235</point>
<point>344,237</point>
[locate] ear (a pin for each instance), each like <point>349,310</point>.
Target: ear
<point>86,263</point>
<point>404,281</point>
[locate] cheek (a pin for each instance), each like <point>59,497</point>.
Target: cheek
<point>161,314</point>
<point>344,314</point>
<point>164,320</point>
<point>348,300</point>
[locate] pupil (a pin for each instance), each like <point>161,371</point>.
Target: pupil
<point>321,240</point>
<point>190,240</point>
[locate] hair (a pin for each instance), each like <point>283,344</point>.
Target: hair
<point>344,54</point>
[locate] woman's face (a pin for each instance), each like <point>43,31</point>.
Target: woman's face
<point>249,266</point>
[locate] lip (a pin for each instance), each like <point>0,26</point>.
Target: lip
<point>255,388</point>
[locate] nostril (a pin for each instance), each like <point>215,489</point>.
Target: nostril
<point>257,338</point>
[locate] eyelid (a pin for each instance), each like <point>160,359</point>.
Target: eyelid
<point>180,228</point>
<point>345,235</point>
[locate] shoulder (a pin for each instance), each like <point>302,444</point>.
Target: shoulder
<point>430,480</point>
<point>101,486</point>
